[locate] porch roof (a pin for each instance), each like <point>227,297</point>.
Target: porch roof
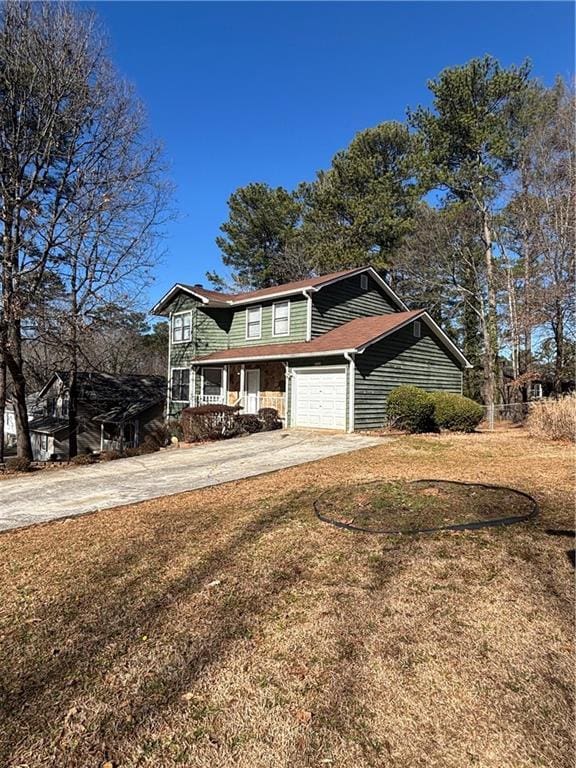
<point>353,336</point>
<point>48,425</point>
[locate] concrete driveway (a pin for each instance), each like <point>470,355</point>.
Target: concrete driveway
<point>60,493</point>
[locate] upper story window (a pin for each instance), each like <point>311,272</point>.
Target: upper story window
<point>181,327</point>
<point>181,385</point>
<point>364,282</point>
<point>417,329</point>
<point>254,322</point>
<point>281,318</point>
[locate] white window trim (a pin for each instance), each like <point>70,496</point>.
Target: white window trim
<point>172,316</point>
<point>277,303</point>
<point>178,368</point>
<point>364,281</point>
<point>223,382</point>
<point>248,310</point>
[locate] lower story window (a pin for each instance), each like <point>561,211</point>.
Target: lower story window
<point>181,385</point>
<point>212,378</point>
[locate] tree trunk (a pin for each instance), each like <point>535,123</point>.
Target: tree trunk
<point>558,329</point>
<point>73,411</point>
<point>491,332</point>
<point>2,405</point>
<point>15,366</point>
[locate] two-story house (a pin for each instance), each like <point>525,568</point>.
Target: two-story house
<point>325,351</point>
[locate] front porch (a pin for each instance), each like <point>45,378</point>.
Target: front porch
<point>251,386</point>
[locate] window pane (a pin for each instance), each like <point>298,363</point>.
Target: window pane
<point>253,324</point>
<point>281,311</point>
<point>281,325</point>
<point>186,327</point>
<point>181,385</point>
<point>212,381</point>
<point>177,334</point>
<point>181,330</point>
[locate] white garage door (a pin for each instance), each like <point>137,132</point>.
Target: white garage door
<point>319,397</point>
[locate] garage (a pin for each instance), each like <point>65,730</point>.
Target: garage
<point>319,397</point>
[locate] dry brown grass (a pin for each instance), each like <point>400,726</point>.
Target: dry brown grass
<point>228,627</point>
<point>554,419</point>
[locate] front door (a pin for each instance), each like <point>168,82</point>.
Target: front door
<point>252,398</point>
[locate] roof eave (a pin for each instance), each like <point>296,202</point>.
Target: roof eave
<point>284,356</point>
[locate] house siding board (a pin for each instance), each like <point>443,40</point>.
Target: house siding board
<point>346,300</point>
<point>298,321</point>
<point>400,359</point>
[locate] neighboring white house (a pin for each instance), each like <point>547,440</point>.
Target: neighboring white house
<point>10,418</point>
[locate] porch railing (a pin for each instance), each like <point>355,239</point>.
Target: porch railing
<point>208,400</point>
<point>246,403</point>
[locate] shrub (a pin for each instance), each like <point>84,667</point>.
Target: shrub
<point>82,459</point>
<point>158,435</point>
<point>456,412</point>
<point>411,409</point>
<point>249,423</point>
<point>131,452</point>
<point>269,419</point>
<point>148,445</point>
<point>209,422</point>
<point>110,455</point>
<point>18,464</point>
<point>553,419</point>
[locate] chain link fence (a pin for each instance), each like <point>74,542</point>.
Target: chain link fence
<point>513,413</point>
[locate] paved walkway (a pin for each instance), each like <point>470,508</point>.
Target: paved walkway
<point>61,493</point>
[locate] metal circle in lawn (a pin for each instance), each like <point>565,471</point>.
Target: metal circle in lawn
<point>423,506</point>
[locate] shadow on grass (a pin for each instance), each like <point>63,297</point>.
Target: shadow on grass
<point>66,652</point>
<point>341,710</point>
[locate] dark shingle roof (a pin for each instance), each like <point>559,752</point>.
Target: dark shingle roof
<point>116,397</point>
<point>262,293</point>
<point>48,425</point>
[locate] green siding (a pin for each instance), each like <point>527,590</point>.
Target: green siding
<point>210,329</point>
<point>344,301</point>
<point>215,329</point>
<point>400,359</point>
<point>298,321</point>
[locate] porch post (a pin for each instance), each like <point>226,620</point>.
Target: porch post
<point>351,375</point>
<point>101,436</point>
<point>242,377</point>
<point>225,384</point>
<point>192,395</point>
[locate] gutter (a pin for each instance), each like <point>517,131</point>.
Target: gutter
<point>306,293</point>
<point>260,358</point>
<point>351,398</point>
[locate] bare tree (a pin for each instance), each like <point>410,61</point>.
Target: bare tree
<point>441,267</point>
<point>80,184</point>
<point>541,226</point>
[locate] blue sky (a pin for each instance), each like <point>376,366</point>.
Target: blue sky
<point>269,91</point>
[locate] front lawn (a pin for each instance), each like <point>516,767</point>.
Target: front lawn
<point>230,627</point>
